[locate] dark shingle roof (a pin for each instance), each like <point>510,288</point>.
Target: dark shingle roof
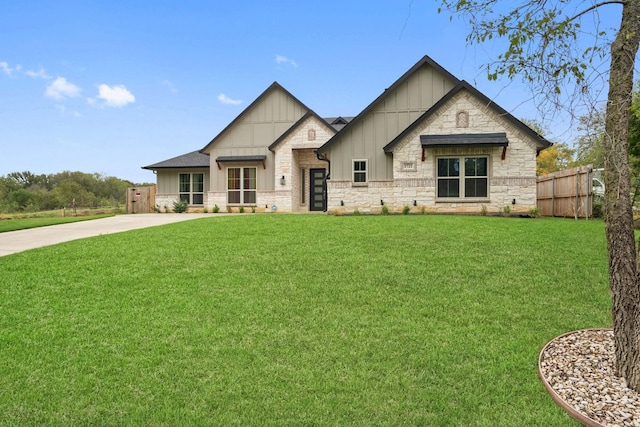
<point>339,122</point>
<point>194,159</point>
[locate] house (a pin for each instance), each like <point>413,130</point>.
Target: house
<point>430,142</point>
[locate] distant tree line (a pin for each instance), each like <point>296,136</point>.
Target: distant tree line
<point>28,192</point>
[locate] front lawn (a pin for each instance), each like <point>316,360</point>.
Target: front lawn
<point>25,223</point>
<point>298,320</point>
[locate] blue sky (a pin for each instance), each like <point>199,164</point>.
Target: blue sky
<point>111,86</point>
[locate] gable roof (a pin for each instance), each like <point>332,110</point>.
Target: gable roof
<point>463,85</point>
<point>194,159</point>
<point>338,122</point>
<point>288,132</point>
<point>274,86</point>
<point>426,60</point>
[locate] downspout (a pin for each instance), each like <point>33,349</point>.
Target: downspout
<point>323,157</point>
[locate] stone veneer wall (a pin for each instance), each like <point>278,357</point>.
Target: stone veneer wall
<point>415,180</point>
<point>292,154</point>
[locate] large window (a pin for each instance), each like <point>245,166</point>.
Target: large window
<point>462,177</point>
<point>241,186</point>
<point>192,188</point>
<point>359,171</point>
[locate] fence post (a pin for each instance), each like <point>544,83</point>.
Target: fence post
<point>553,195</point>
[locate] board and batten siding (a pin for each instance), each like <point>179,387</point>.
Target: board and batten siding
<point>252,134</point>
<point>386,120</point>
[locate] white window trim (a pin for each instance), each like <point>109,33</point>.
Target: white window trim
<point>366,171</point>
<point>461,177</point>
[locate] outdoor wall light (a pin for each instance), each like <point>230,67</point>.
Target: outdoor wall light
<point>513,202</point>
<point>415,203</point>
<point>341,202</point>
<point>282,180</point>
<point>381,202</point>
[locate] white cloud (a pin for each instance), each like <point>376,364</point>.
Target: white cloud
<point>61,88</point>
<point>226,100</point>
<point>115,96</point>
<point>284,60</point>
<point>4,66</point>
<point>38,74</point>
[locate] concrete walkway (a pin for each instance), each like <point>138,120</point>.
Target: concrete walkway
<point>22,240</point>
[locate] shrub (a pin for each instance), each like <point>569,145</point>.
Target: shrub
<point>598,209</point>
<point>405,210</point>
<point>484,210</point>
<point>180,206</point>
<point>241,209</point>
<point>534,212</point>
<point>356,212</point>
<point>385,210</point>
<point>253,209</point>
<point>216,208</point>
<point>229,209</point>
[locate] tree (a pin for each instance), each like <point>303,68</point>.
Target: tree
<point>553,159</point>
<point>589,143</point>
<point>547,46</point>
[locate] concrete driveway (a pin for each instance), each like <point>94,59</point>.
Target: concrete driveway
<point>22,240</point>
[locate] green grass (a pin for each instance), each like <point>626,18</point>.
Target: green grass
<point>298,320</point>
<point>25,223</point>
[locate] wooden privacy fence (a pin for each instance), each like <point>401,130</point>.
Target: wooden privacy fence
<point>141,199</point>
<point>566,193</point>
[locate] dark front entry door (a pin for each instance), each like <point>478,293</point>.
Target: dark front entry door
<point>317,190</point>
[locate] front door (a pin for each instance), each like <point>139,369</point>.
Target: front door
<point>317,190</point>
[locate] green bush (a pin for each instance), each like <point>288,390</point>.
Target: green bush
<point>241,209</point>
<point>216,208</point>
<point>598,209</point>
<point>180,206</point>
<point>385,210</point>
<point>405,210</point>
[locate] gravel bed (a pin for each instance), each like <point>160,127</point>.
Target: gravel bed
<point>579,368</point>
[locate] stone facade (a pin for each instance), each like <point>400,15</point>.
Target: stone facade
<point>294,157</point>
<point>414,183</point>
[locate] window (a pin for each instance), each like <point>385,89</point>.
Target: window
<point>359,171</point>
<point>462,177</point>
<point>192,188</point>
<point>241,185</point>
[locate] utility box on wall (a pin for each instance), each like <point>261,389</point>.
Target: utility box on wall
<point>141,199</point>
